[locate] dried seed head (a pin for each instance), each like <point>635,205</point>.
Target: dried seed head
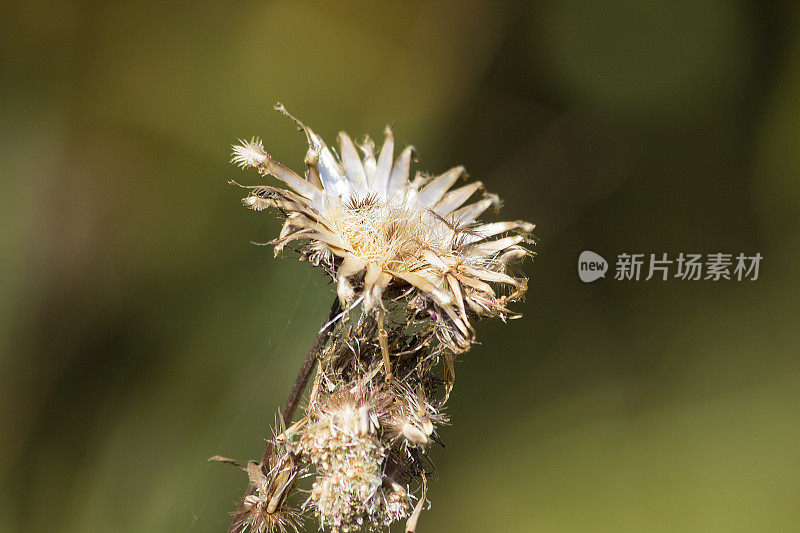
<point>342,442</point>
<point>414,417</point>
<point>264,508</point>
<point>373,230</point>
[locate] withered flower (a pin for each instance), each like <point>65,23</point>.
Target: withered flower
<point>343,443</point>
<point>264,508</point>
<point>414,255</point>
<point>373,230</point>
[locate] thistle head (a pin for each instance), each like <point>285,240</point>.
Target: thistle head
<point>342,441</point>
<point>265,507</point>
<point>376,231</point>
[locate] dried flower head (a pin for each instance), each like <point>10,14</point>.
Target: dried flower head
<point>342,440</point>
<point>264,508</point>
<point>414,419</point>
<point>415,257</point>
<point>374,231</point>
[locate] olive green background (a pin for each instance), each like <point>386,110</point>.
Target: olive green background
<point>141,332</point>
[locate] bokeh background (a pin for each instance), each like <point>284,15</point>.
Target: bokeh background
<point>141,332</point>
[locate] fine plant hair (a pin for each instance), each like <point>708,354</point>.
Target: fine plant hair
<point>414,267</point>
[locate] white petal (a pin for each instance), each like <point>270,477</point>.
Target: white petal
<point>471,212</point>
<point>434,191</point>
<point>398,179</point>
<point>368,147</point>
<point>495,228</point>
<point>329,171</point>
<point>380,180</point>
<point>249,153</point>
<point>353,167</point>
<point>331,174</point>
<point>456,198</point>
<point>492,247</point>
<point>344,291</point>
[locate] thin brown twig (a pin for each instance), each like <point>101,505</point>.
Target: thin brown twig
<point>295,395</point>
<point>305,371</point>
<point>302,379</point>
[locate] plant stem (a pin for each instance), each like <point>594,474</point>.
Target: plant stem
<point>291,405</point>
<point>302,378</point>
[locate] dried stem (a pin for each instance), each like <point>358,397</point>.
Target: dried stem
<point>294,398</point>
<point>302,378</point>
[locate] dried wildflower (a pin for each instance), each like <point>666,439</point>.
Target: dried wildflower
<point>365,436</point>
<point>422,267</point>
<point>414,419</point>
<point>341,440</point>
<point>375,231</point>
<point>264,508</point>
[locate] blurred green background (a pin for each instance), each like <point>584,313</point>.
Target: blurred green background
<point>141,332</point>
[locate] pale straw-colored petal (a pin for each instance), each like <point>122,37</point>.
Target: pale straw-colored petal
<point>459,297</point>
<point>454,199</point>
<point>351,265</point>
<point>515,254</point>
<point>476,284</point>
<point>436,261</point>
<point>469,213</point>
<point>490,275</point>
<point>267,165</point>
<point>331,174</point>
<point>398,179</point>
<point>375,281</point>
<point>426,286</point>
<point>434,191</point>
<point>380,180</point>
<point>491,248</point>
<point>368,147</point>
<point>451,313</point>
<point>495,228</point>
<point>353,167</point>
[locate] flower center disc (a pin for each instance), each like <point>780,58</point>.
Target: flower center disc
<point>389,236</point>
